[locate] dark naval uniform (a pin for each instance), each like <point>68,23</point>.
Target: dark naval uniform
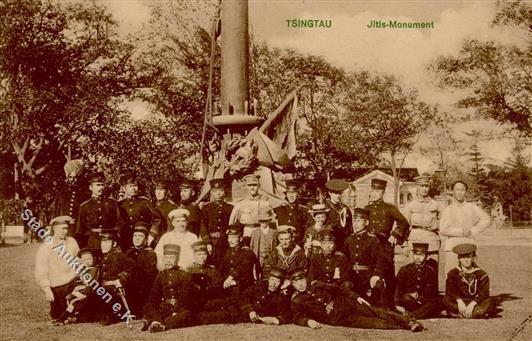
<point>423,280</point>
<point>343,310</point>
<point>115,265</point>
<point>295,215</point>
<point>381,221</point>
<point>259,299</point>
<point>164,207</point>
<point>333,220</point>
<point>366,260</point>
<point>216,219</point>
<point>207,282</point>
<point>67,202</point>
<point>144,275</point>
<point>95,215</point>
<point>170,299</point>
<point>239,262</point>
<point>331,269</point>
<point>473,286</point>
<point>134,210</point>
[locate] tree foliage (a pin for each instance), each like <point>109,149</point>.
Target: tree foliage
<point>63,72</point>
<point>495,77</point>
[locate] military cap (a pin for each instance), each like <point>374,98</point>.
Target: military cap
<point>141,226</point>
<point>420,248</point>
<point>217,183</point>
<point>326,235</point>
<point>361,213</point>
<point>423,179</point>
<point>60,220</point>
<point>378,184</point>
<point>128,178</point>
<point>235,229</point>
<point>171,249</point>
<point>292,185</point>
<point>187,183</point>
<point>464,249</point>
<point>109,234</point>
<point>336,185</point>
<point>277,273</point>
<point>199,246</point>
<point>85,250</point>
<point>298,273</point>
<point>179,213</point>
<point>97,177</point>
<point>161,183</point>
<point>73,166</point>
<point>318,208</point>
<point>266,214</point>
<point>285,229</point>
<point>252,179</point>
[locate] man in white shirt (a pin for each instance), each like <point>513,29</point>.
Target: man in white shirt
<point>178,236</point>
<point>53,271</point>
<point>461,222</point>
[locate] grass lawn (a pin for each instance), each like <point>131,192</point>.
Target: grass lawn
<point>24,311</point>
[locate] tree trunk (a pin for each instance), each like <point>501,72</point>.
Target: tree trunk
<point>395,174</point>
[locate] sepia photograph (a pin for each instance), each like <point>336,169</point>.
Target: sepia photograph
<point>265,170</point>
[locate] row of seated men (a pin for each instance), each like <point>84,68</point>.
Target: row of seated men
<point>320,286</point>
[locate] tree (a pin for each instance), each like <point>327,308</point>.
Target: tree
<point>389,119</point>
<point>496,78</point>
<point>63,72</point>
<point>510,184</point>
<point>439,145</point>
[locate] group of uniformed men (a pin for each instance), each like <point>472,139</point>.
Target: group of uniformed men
<point>175,265</point>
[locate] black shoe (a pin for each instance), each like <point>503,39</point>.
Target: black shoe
<point>156,327</point>
<point>415,327</point>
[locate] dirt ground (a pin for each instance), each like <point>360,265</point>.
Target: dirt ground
<point>24,312</point>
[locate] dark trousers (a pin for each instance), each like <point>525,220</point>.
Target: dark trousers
<point>59,305</point>
<point>172,316</point>
<point>356,315</point>
<point>376,296</point>
<point>480,310</point>
<point>219,311</point>
<point>421,310</point>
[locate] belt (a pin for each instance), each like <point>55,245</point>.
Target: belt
<point>251,225</point>
<point>421,227</point>
<point>96,230</point>
<point>215,234</point>
<point>357,267</point>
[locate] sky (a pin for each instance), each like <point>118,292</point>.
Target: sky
<point>351,45</point>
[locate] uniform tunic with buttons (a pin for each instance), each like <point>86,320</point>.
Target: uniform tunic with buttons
<point>382,218</point>
<point>172,292</point>
<point>293,215</point>
<point>143,277</point>
<point>67,202</point>
<point>312,303</point>
<point>116,265</point>
<point>164,207</point>
<point>364,250</point>
<point>96,214</point>
<point>422,279</point>
<point>246,212</point>
<point>423,214</point>
<point>207,284</point>
<point>331,269</point>
<point>239,262</point>
<point>134,210</point>
<point>266,303</point>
